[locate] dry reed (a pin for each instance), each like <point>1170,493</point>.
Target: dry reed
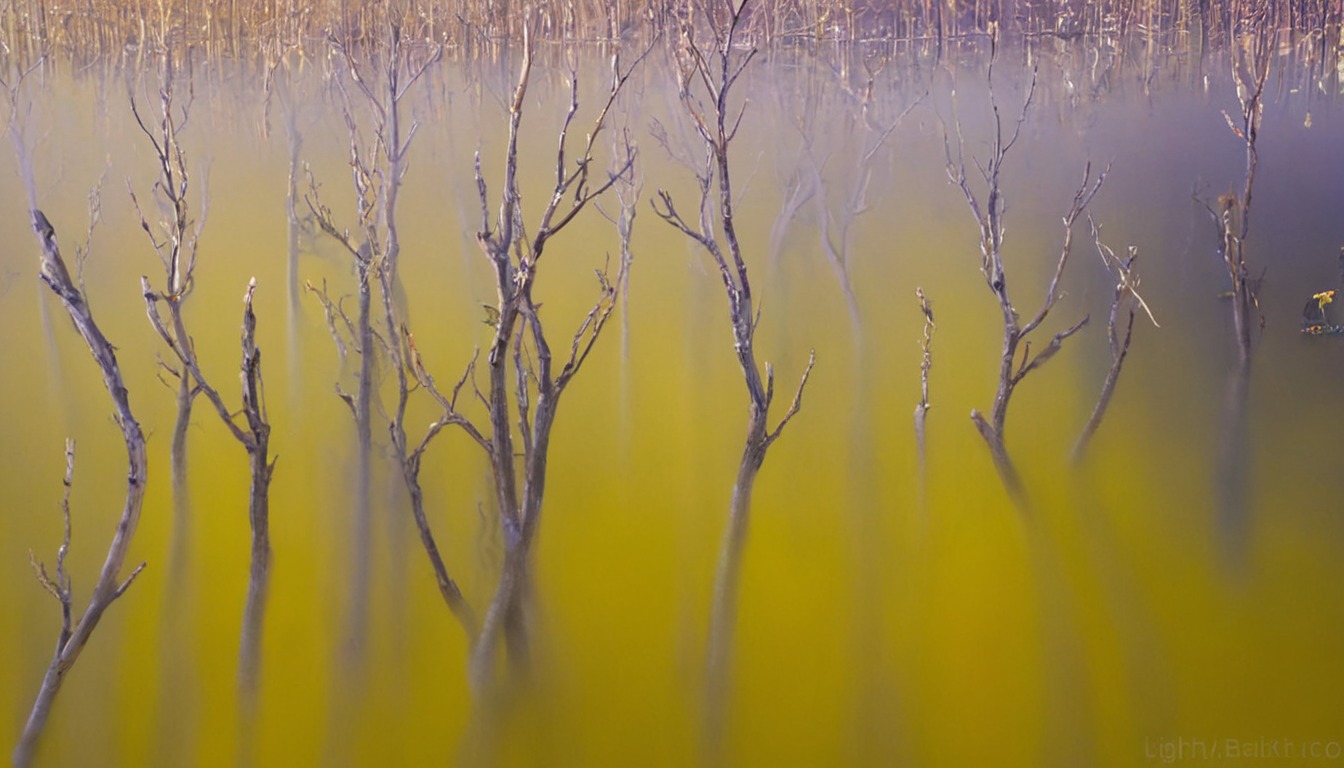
<point>132,31</point>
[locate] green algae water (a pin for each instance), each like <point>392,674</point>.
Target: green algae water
<point>890,612</point>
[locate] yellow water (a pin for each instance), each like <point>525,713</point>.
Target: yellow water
<point>1114,623</point>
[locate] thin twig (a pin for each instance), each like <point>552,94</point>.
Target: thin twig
<point>925,365</point>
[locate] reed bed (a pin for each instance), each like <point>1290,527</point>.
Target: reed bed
<point>85,32</point>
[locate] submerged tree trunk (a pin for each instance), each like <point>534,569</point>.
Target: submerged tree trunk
<point>1251,65</point>
<point>717,69</point>
<point>992,429</point>
<point>448,589</point>
<point>356,629</point>
<point>1232,472</point>
<point>256,440</point>
<point>504,617</point>
<point>294,227</point>
<point>181,537</point>
<point>174,701</point>
<point>507,614</point>
<point>254,612</point>
<point>723,609</point>
<point>482,662</point>
<point>514,259</point>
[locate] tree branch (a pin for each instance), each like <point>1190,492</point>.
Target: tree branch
<point>109,585</point>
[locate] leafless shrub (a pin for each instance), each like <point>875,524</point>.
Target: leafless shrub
<point>524,383</point>
<point>374,248</point>
<point>1232,214</point>
<point>175,240</point>
<point>535,385</point>
<point>1232,220</point>
<point>838,212</point>
<point>1125,305</point>
<point>381,87</point>
<point>988,209</point>
<point>706,73</point>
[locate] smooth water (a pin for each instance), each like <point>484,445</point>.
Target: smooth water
<point>1135,614</point>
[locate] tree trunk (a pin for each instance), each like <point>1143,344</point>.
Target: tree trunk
<point>723,610</point>
<point>249,655</point>
<point>181,537</point>
<point>360,571</point>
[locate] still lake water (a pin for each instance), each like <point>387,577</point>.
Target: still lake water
<point>884,617</point>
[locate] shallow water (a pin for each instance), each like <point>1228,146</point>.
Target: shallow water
<point>1136,613</point>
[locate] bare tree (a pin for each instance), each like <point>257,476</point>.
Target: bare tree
<point>379,169</point>
<point>1250,63</point>
<point>989,214</point>
<point>629,189</point>
<point>1250,69</point>
<point>279,84</point>
<point>706,75</point>
<point>75,634</point>
<point>519,359</point>
<point>535,385</point>
<point>175,240</point>
<point>177,251</point>
<point>836,223</point>
<point>374,247</point>
<point>361,341</point>
<point>1125,305</point>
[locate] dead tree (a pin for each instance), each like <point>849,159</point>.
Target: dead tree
<point>535,385</point>
<point>1232,217</point>
<point>836,228</point>
<point>280,82</point>
<point>1250,63</point>
<point>378,171</point>
<point>175,239</point>
<point>629,189</point>
<point>74,634</point>
<point>706,75</point>
<point>1125,305</point>
<point>177,251</point>
<point>1016,360</point>
<point>520,359</point>
<point>367,249</point>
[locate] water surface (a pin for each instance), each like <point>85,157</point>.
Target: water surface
<point>886,616</point>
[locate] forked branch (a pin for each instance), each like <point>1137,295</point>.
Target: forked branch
<point>1125,305</point>
<point>537,380</point>
<point>110,585</point>
<point>988,212</point>
<point>176,241</point>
